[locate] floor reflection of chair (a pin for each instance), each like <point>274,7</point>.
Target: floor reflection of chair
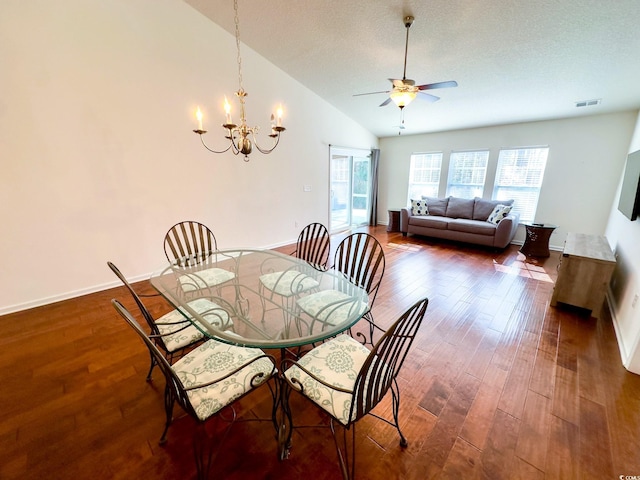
<point>285,285</point>
<point>192,243</point>
<point>360,258</point>
<point>347,380</point>
<point>173,332</point>
<point>206,381</point>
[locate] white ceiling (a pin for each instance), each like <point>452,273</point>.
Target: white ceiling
<point>514,60</point>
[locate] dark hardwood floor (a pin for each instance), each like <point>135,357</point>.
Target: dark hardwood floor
<point>498,385</point>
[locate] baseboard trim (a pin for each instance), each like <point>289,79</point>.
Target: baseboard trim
<point>18,307</point>
<point>625,356</point>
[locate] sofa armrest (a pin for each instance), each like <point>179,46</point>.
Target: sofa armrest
<point>405,213</point>
<point>506,230</point>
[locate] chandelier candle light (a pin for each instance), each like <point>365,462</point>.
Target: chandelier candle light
<point>242,138</point>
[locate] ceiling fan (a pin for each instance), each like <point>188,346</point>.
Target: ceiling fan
<point>405,91</point>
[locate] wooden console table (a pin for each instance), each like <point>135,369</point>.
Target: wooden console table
<point>584,273</point>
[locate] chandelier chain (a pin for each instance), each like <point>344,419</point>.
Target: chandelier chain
<point>239,58</point>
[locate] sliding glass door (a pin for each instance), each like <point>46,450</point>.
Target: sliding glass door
<point>350,188</point>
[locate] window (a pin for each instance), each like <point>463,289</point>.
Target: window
<point>424,175</point>
<point>467,172</point>
<point>519,176</point>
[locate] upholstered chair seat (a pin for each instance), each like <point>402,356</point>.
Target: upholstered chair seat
<point>336,362</point>
<point>288,283</point>
<point>201,370</point>
<point>333,306</point>
<point>178,332</point>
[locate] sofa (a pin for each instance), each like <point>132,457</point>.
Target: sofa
<point>478,221</point>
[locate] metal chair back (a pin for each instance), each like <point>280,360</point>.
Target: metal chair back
<point>145,313</point>
<point>189,242</point>
<point>383,364</point>
<point>360,257</point>
<point>174,390</point>
<point>313,245</point>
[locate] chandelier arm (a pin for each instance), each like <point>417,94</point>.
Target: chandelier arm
<point>211,149</point>
<point>276,140</point>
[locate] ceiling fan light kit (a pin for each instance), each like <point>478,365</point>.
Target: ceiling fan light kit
<point>402,98</point>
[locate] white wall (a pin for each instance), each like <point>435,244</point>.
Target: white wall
<point>98,157</point>
<point>624,236</point>
<point>586,156</point>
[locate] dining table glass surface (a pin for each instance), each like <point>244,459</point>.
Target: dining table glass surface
<point>261,298</point>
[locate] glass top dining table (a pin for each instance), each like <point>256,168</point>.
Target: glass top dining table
<point>261,298</point>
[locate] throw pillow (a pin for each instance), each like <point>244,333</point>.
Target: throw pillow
<point>419,207</point>
<point>498,213</point>
<point>483,208</point>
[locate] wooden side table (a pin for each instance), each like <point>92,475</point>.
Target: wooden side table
<point>536,242</point>
<point>394,220</point>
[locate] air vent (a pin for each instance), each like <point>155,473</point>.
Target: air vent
<point>589,103</point>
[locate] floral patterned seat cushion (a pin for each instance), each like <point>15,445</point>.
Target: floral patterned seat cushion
<point>333,306</point>
<point>213,360</point>
<point>175,321</point>
<point>288,283</point>
<point>336,362</point>
<point>210,277</point>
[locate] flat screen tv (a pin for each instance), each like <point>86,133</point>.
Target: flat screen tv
<point>629,203</point>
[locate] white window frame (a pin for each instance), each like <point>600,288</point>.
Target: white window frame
<point>424,175</point>
<point>519,176</point>
<point>467,173</point>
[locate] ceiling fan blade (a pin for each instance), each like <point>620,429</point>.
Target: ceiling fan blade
<point>431,86</point>
<point>386,102</point>
<point>428,97</point>
<point>371,93</point>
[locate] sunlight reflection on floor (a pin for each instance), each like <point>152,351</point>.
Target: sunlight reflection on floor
<point>524,267</point>
<point>404,246</point>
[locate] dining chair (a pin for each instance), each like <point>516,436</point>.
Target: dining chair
<point>205,381</point>
<point>347,380</point>
<point>191,243</point>
<point>312,246</point>
<point>360,258</point>
<point>175,331</point>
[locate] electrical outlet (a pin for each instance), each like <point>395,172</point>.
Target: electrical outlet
<point>635,301</point>
<point>306,188</point>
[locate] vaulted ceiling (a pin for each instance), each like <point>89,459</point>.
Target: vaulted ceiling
<point>514,61</point>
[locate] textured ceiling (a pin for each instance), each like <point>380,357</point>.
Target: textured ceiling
<point>514,61</point>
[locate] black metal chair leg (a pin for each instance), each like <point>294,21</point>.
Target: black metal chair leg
<point>346,460</point>
<point>153,364</point>
<point>395,400</point>
<point>168,409</point>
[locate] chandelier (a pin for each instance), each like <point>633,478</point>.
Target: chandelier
<point>241,137</point>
